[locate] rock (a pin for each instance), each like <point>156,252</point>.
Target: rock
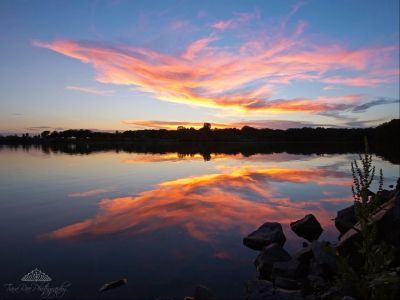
<point>283,294</point>
<point>304,245</point>
<point>331,293</point>
<point>308,228</point>
<point>264,290</point>
<point>267,234</point>
<point>270,254</point>
<point>316,269</point>
<point>389,225</point>
<point>345,219</point>
<point>290,269</point>
<point>304,255</point>
<point>202,293</point>
<point>317,284</point>
<point>259,289</point>
<point>322,252</point>
<point>387,220</point>
<point>383,196</point>
<point>113,285</point>
<point>288,283</point>
<point>348,298</point>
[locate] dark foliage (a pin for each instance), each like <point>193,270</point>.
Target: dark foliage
<point>248,140</point>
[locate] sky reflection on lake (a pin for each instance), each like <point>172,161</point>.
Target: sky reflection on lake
<point>166,222</point>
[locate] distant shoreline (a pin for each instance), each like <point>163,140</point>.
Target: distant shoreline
<point>206,149</point>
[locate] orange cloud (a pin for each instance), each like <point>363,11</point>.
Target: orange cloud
<point>205,205</point>
<point>241,77</point>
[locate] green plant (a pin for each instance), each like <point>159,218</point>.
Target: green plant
<point>368,281</point>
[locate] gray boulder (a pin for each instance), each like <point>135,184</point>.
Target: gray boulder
<point>308,228</point>
<point>268,233</point>
<point>270,254</point>
<point>289,269</point>
<point>304,255</point>
<point>323,255</point>
<point>288,283</point>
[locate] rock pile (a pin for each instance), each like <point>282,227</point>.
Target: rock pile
<point>310,272</point>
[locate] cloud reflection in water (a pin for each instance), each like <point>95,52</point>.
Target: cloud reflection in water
<point>208,205</point>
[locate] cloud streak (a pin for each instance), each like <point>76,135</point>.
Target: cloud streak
<point>241,77</point>
<point>90,90</point>
<point>90,193</point>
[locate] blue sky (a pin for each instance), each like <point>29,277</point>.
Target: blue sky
<point>134,64</point>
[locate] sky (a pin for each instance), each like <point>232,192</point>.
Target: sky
<point>123,65</point>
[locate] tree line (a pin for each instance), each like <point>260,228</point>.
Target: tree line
<point>386,132</point>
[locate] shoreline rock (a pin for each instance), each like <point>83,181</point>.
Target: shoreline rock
<point>268,233</point>
<point>308,228</point>
<point>310,272</point>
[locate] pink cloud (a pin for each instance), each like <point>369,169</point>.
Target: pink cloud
<point>210,75</point>
<point>222,25</point>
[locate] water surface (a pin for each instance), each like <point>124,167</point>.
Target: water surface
<point>166,222</point>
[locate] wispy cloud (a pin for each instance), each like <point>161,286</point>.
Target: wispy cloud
<point>241,77</point>
<point>90,193</point>
<point>44,127</point>
<point>90,90</point>
<point>238,20</point>
<point>381,101</point>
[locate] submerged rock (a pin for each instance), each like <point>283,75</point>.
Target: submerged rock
<point>268,233</point>
<point>308,228</point>
<point>270,254</point>
<point>113,285</point>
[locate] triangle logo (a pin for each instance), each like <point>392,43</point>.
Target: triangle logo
<point>36,276</point>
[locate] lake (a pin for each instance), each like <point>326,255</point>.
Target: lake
<point>166,222</point>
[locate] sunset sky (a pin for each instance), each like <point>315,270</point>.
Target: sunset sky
<point>121,65</point>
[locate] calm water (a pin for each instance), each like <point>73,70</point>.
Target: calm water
<point>164,222</point>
